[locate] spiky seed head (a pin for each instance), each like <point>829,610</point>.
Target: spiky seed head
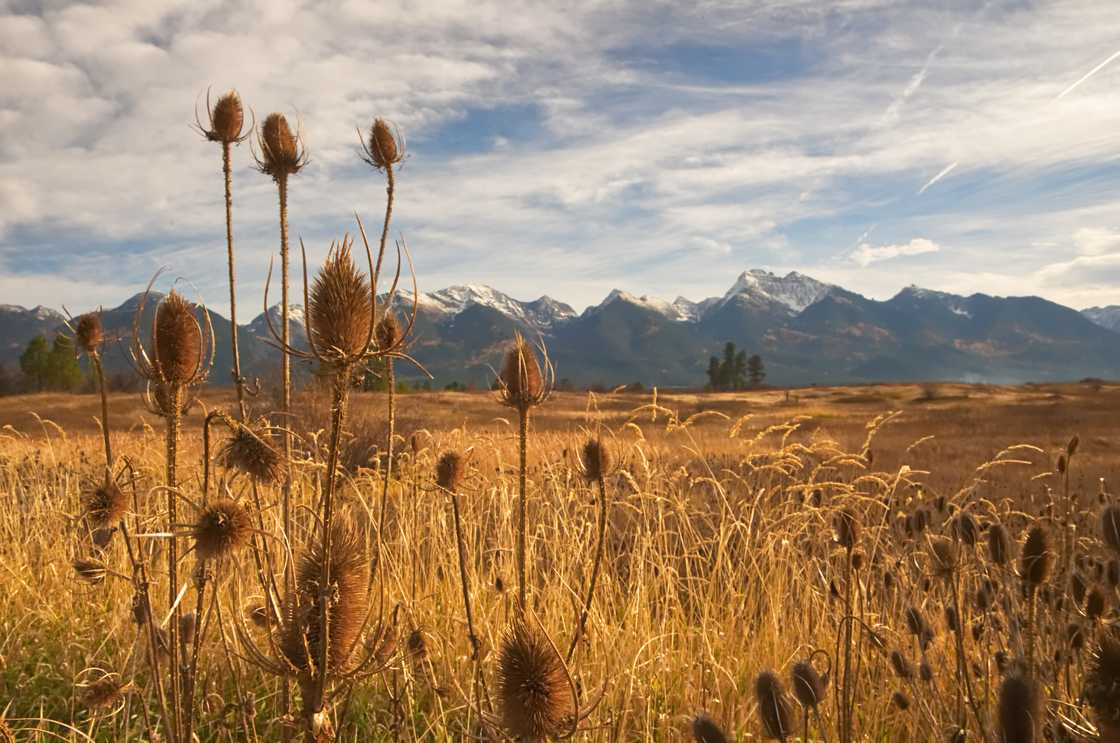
<point>339,312</point>
<point>965,528</point>
<point>450,470</point>
<point>1020,714</point>
<point>223,527</point>
<point>534,688</point>
<point>900,700</point>
<point>251,451</point>
<point>1062,464</point>
<point>388,332</point>
<point>846,527</point>
<point>104,505</point>
<point>774,706</point>
<point>1071,447</point>
<point>1102,682</point>
<point>177,340</point>
<point>706,730</point>
<point>280,148</point>
<point>596,461</point>
<point>105,693</point>
<point>999,544</point>
<point>522,383</point>
<point>90,570</point>
<point>347,602</point>
<point>1110,527</point>
<point>1034,562</point>
<point>943,556</point>
<point>1095,603</point>
<point>925,671</point>
<point>901,665</point>
<point>385,146</point>
<point>226,119</point>
<point>807,685</point>
<point>88,332</point>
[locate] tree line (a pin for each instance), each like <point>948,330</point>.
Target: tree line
<point>735,371</point>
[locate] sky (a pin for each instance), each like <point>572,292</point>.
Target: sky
<point>571,148</point>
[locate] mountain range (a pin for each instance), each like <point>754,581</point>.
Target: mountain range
<point>807,332</point>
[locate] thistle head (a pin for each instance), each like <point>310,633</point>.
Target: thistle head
<point>706,730</point>
<point>846,529</point>
<point>388,332</point>
<point>1102,683</point>
<point>450,470</point>
<point>282,152</point>
<point>774,706</point>
<point>223,527</point>
<point>105,693</point>
<point>384,146</point>
<point>1035,559</point>
<point>596,461</point>
<point>88,333</point>
<point>999,544</point>
<point>177,341</point>
<point>250,451</point>
<point>340,309</point>
<point>104,505</point>
<point>807,684</point>
<point>1020,709</point>
<point>522,385</point>
<point>227,118</point>
<point>535,691</point>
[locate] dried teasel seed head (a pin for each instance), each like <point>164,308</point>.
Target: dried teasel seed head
<point>965,528</point>
<point>846,527</point>
<point>534,689</point>
<point>900,700</point>
<point>901,665</point>
<point>1071,447</point>
<point>999,544</point>
<point>1102,682</point>
<point>1062,464</point>
<point>339,309</point>
<point>943,556</point>
<point>450,470</point>
<point>384,147</point>
<point>388,332</point>
<point>1110,527</point>
<point>774,706</point>
<point>251,451</point>
<point>105,693</point>
<point>226,119</point>
<point>807,685</point>
<point>596,461</point>
<point>925,671</point>
<point>88,333</point>
<point>705,730</point>
<point>281,152</point>
<point>522,384</point>
<point>90,570</point>
<point>1020,713</point>
<point>104,505</point>
<point>1095,603</point>
<point>177,340</point>
<point>346,606</point>
<point>1034,562</point>
<point>223,527</point>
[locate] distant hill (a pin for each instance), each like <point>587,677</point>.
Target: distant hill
<point>807,332</point>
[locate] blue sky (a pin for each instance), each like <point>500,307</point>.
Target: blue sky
<point>660,148</point>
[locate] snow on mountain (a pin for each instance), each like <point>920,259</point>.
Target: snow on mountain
<point>540,313</point>
<point>259,325</point>
<point>794,290</point>
<point>681,309</point>
<point>955,303</point>
<point>1106,317</point>
<point>39,312</point>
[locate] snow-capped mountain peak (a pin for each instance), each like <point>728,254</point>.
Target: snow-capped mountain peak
<point>540,313</point>
<point>794,290</point>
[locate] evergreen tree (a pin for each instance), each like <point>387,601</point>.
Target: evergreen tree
<point>63,371</point>
<point>713,373</point>
<point>755,370</point>
<point>34,363</point>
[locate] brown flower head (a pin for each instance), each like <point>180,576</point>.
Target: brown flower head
<point>177,340</point>
<point>384,147</point>
<point>706,730</point>
<point>224,527</point>
<point>774,706</point>
<point>340,308</point>
<point>597,461</point>
<point>534,688</point>
<point>450,470</point>
<point>251,451</point>
<point>1020,709</point>
<point>808,686</point>
<point>105,693</point>
<point>88,333</point>
<point>522,385</point>
<point>1034,562</point>
<point>282,153</point>
<point>104,505</point>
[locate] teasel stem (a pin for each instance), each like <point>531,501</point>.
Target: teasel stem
<point>600,545</point>
<point>286,402</point>
<point>338,416</point>
<point>99,373</point>
<point>238,380</point>
<point>390,378</point>
<point>460,544</point>
<point>174,421</point>
<point>962,665</point>
<point>522,508</point>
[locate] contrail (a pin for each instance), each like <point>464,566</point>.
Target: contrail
<point>1087,75</point>
<point>946,171</point>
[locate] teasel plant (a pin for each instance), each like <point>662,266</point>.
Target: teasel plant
<point>282,155</point>
<point>226,126</point>
<point>342,318</point>
<point>178,359</point>
<point>595,465</point>
<point>524,384</point>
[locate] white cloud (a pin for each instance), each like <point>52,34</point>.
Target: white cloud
<point>866,254</point>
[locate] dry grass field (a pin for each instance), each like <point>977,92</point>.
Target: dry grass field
<point>878,534</point>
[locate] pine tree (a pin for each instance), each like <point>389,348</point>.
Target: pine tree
<point>34,362</point>
<point>713,373</point>
<point>63,371</point>
<point>755,370</point>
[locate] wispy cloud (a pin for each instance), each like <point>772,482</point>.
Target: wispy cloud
<point>940,174</point>
<point>866,254</point>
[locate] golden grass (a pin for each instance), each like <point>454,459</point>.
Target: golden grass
<point>719,560</point>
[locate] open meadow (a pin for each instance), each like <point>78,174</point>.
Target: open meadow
<point>893,562</point>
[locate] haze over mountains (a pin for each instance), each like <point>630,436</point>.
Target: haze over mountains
<point>806,331</point>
